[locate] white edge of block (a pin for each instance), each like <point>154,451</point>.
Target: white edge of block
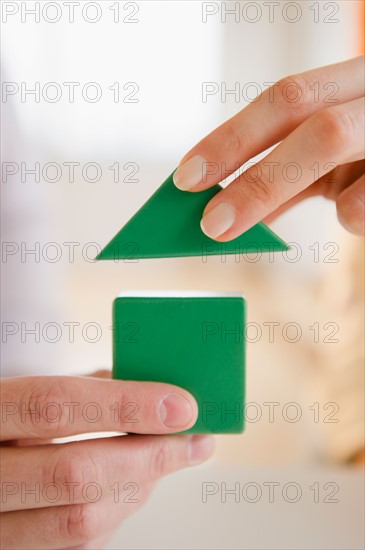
<point>179,294</point>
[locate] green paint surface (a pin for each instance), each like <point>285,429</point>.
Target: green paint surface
<point>168,225</point>
<point>193,342</point>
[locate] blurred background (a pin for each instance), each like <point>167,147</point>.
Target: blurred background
<point>100,102</point>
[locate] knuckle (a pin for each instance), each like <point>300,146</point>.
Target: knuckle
<point>71,470</point>
<point>330,130</point>
<point>78,523</point>
<point>161,460</point>
<point>234,140</point>
<point>295,93</point>
<point>44,409</point>
<point>329,185</point>
<point>257,186</point>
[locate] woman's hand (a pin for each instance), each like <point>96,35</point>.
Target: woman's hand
<point>318,116</point>
<point>72,494</point>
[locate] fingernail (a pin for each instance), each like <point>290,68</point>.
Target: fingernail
<point>201,448</point>
<point>175,411</point>
<point>189,174</point>
<point>218,220</point>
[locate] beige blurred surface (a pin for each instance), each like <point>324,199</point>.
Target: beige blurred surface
<point>217,508</point>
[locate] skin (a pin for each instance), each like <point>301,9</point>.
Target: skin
<point>61,514</point>
<point>325,128</point>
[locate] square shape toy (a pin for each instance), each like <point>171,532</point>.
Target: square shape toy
<point>192,340</point>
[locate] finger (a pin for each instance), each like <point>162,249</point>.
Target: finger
<point>351,207</point>
<point>103,373</point>
<point>329,138</point>
<point>74,526</point>
<point>330,186</point>
<point>60,474</point>
<point>268,120</point>
<point>59,406</point>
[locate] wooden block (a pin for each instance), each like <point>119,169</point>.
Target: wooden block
<point>168,225</point>
<point>195,341</point>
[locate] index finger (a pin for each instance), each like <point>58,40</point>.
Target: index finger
<point>60,406</point>
<point>268,119</point>
<point>328,139</point>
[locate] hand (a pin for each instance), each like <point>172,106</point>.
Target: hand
<point>319,118</point>
<point>72,494</point>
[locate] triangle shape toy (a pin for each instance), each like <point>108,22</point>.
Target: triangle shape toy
<point>168,225</point>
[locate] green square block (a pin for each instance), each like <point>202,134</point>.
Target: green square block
<point>195,341</point>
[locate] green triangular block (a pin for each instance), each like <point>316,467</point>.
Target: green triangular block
<point>168,225</point>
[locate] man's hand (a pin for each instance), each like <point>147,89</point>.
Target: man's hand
<point>318,117</point>
<point>72,494</point>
